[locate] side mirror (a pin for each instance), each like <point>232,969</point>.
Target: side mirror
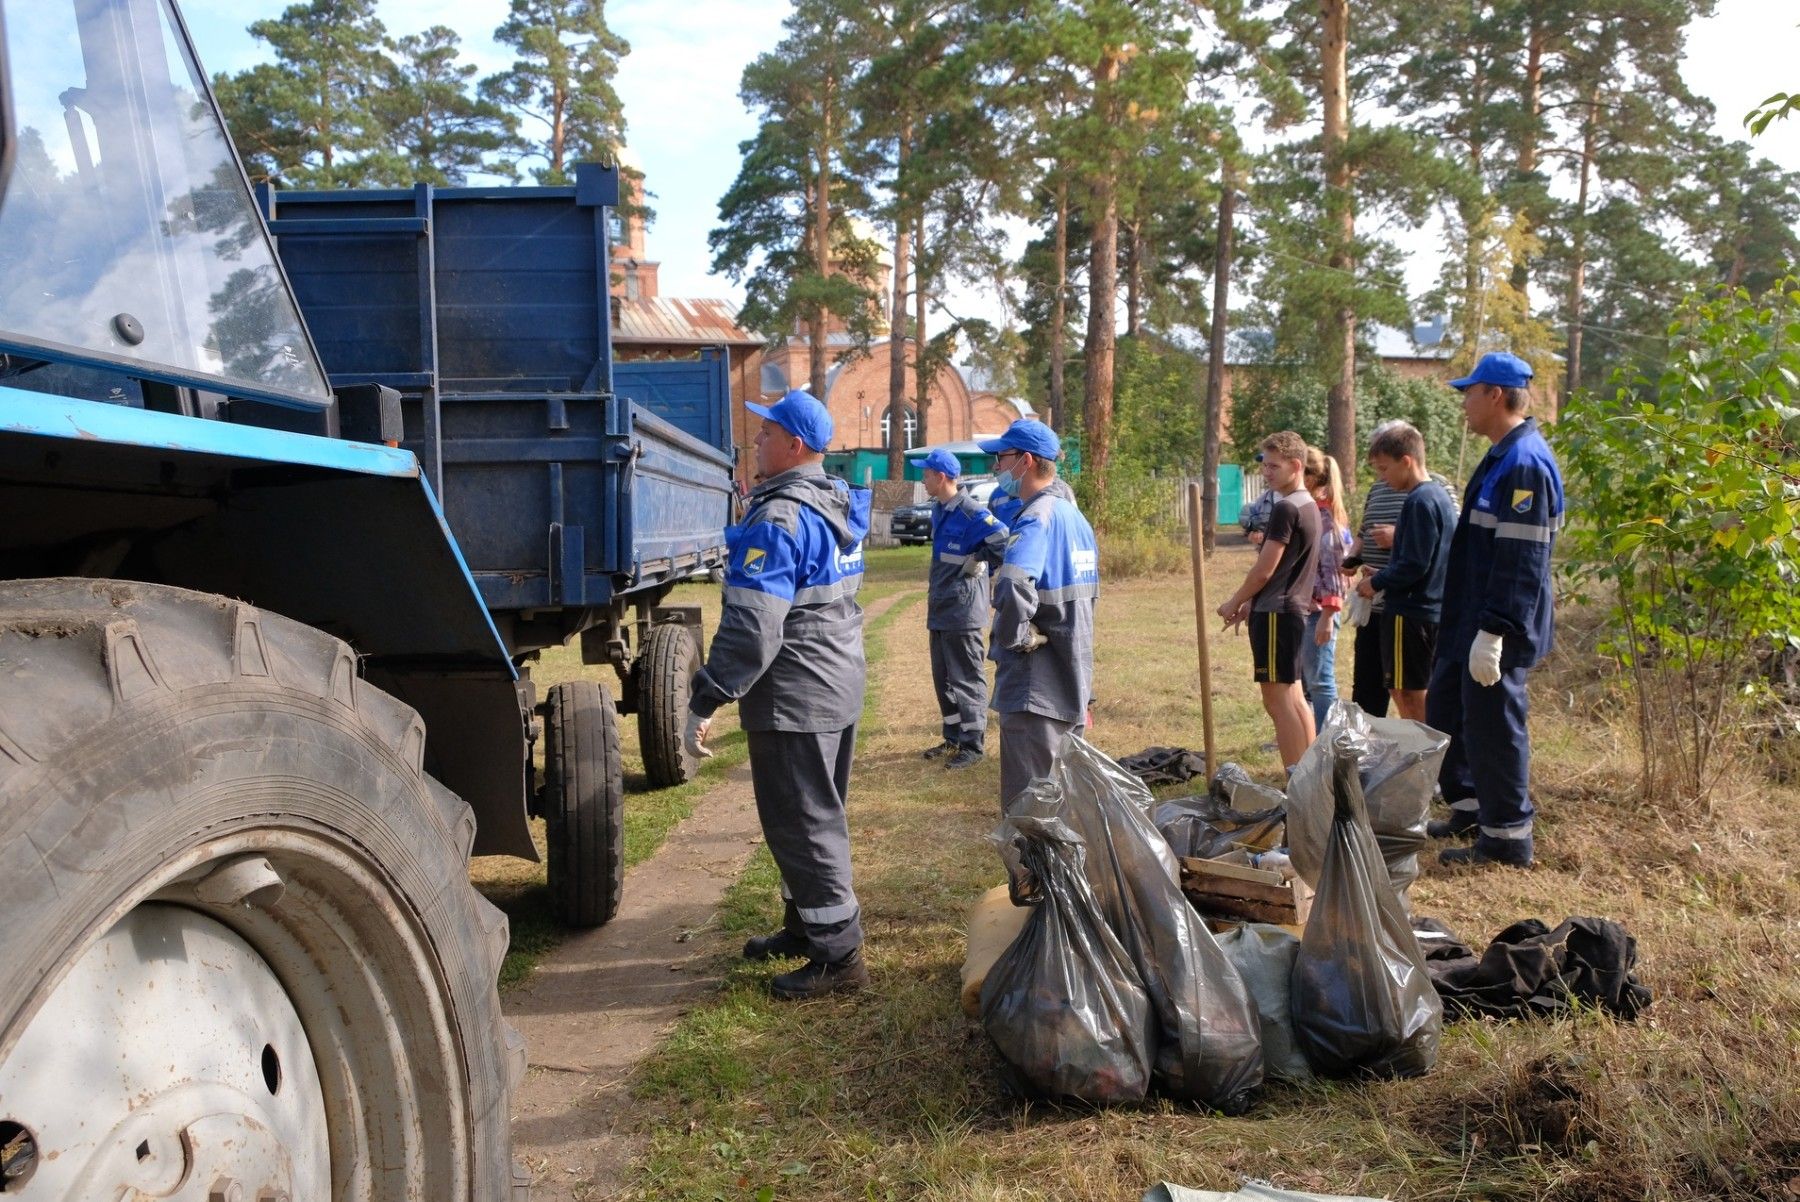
<point>7,140</point>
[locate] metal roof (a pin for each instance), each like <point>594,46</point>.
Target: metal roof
<point>664,320</point>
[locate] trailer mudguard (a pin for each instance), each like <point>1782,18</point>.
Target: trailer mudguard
<point>343,536</point>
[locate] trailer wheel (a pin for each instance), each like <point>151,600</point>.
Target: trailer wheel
<point>584,790</point>
<point>242,954</point>
<point>664,675</point>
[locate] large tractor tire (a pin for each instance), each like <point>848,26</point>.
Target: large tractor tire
<point>243,958</point>
<point>584,804</point>
<point>664,676</point>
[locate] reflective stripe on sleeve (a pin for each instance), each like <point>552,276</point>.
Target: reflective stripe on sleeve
<point>1523,532</point>
<point>755,598</point>
<point>818,594</point>
<point>1068,592</point>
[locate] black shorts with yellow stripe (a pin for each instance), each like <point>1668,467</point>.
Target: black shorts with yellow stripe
<point>1407,648</point>
<point>1275,647</point>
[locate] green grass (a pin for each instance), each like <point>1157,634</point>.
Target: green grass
<point>895,1094</point>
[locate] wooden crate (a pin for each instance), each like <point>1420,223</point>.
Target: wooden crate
<point>1238,893</point>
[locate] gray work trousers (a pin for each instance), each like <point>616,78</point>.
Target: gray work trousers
<point>959,675</point>
<point>802,782</point>
<point>1028,746</point>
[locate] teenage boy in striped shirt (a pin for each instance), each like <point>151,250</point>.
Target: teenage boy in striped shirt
<point>1412,581</point>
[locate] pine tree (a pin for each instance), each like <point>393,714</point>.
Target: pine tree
<point>438,131</point>
<point>561,84</point>
<point>785,224</point>
<point>309,118</point>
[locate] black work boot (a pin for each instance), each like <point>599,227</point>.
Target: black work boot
<point>947,747</point>
<point>782,945</point>
<point>1453,827</point>
<point>1508,853</point>
<point>965,757</point>
<point>816,978</point>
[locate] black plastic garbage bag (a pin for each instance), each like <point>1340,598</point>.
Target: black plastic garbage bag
<point>1362,1001</point>
<point>1206,826</point>
<point>1209,1042</point>
<point>1398,761</point>
<point>1064,1004</point>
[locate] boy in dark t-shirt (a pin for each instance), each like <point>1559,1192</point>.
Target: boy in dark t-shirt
<point>1412,580</point>
<point>1277,593</point>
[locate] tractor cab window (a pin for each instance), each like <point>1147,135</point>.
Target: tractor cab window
<point>127,230</point>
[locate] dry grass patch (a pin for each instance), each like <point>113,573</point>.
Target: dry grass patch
<point>896,1094</point>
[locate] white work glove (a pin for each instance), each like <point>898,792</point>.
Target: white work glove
<point>1484,658</point>
<point>693,739</point>
<point>1034,638</point>
<point>973,566</point>
<point>1358,609</point>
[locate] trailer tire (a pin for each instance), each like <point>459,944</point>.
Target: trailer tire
<point>664,675</point>
<point>179,766</point>
<point>584,788</point>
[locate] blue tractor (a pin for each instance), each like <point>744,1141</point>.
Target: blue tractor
<point>266,620</point>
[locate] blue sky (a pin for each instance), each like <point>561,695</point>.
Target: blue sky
<point>680,82</point>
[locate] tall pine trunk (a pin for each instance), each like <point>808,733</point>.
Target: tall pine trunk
<point>1103,302</point>
<point>1533,103</point>
<point>922,376</point>
<point>821,233</point>
<point>1340,398</point>
<point>897,332</point>
<point>1590,136</point>
<point>1059,312</point>
<point>1134,276</point>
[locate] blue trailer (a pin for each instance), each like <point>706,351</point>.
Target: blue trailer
<point>580,490</point>
<point>260,637</point>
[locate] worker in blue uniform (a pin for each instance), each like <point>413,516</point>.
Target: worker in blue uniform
<point>789,648</point>
<point>1042,642</point>
<point>966,540</point>
<point>1496,620</point>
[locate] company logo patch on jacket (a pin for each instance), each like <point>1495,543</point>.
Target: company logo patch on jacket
<point>755,560</point>
<point>1521,502</point>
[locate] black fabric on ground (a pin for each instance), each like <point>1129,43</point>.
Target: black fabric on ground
<point>1530,969</point>
<point>1164,765</point>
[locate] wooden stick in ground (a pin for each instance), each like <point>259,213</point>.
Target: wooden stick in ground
<point>1202,615</point>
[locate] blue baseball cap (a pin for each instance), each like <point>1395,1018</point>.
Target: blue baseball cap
<point>1499,369</point>
<point>801,415</point>
<point>1029,435</point>
<point>943,461</point>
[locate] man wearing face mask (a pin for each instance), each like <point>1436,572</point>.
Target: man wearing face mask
<point>965,539</point>
<point>790,646</point>
<point>1042,642</point>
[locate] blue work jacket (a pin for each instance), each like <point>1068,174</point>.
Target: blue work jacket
<point>1499,572</point>
<point>790,643</point>
<point>1050,580</point>
<point>965,539</point>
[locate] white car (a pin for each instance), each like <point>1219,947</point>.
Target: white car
<point>980,487</point>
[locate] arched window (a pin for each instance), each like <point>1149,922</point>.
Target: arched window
<point>911,428</point>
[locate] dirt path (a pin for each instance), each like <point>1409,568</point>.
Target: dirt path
<point>603,1000</point>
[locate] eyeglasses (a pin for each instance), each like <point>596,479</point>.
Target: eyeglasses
<point>1004,455</point>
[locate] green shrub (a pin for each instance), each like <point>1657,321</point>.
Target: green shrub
<point>1684,500</point>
